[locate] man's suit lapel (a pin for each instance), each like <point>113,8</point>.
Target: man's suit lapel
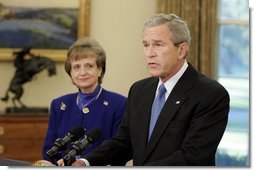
<point>144,115</point>
<point>173,103</point>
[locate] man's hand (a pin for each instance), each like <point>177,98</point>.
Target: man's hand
<point>76,163</point>
<point>79,163</point>
<point>60,162</point>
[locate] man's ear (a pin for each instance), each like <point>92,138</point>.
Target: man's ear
<point>183,49</point>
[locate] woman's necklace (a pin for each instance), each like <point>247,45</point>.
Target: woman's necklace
<point>85,108</point>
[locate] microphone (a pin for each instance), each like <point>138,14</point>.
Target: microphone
<point>60,143</point>
<point>79,146</point>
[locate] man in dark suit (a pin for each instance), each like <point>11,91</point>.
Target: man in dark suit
<point>192,120</point>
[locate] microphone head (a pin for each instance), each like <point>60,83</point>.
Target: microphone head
<point>93,134</point>
<point>77,132</point>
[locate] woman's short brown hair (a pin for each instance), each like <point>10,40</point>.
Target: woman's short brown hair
<point>83,48</point>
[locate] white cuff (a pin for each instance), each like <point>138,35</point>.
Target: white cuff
<point>85,161</point>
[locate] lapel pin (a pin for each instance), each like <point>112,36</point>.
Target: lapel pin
<point>62,106</point>
<point>85,110</point>
<point>105,103</point>
<point>178,102</point>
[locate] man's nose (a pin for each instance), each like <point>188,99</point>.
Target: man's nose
<point>150,52</point>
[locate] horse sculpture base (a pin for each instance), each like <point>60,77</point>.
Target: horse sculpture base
<point>27,110</point>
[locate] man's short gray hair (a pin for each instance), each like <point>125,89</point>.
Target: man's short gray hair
<point>179,28</point>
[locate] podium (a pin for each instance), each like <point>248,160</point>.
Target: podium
<point>11,162</point>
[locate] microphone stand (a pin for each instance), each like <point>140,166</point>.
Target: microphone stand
<point>71,156</point>
<point>68,160</point>
<point>51,153</point>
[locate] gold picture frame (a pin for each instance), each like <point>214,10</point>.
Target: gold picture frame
<point>58,55</point>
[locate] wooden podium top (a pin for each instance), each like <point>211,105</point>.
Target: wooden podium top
<point>11,162</point>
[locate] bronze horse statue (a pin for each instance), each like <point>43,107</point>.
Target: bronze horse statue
<point>26,69</point>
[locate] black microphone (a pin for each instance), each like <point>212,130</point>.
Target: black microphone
<point>60,143</point>
<point>79,146</point>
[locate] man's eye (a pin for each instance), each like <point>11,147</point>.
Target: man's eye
<point>145,45</point>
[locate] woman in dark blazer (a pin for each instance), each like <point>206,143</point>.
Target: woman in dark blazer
<point>92,106</point>
<point>192,120</point>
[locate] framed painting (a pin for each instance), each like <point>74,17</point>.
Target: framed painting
<point>48,27</point>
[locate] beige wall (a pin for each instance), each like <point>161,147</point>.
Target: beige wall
<point>117,25</point>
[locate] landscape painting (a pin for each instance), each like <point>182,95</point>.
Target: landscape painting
<point>39,24</point>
